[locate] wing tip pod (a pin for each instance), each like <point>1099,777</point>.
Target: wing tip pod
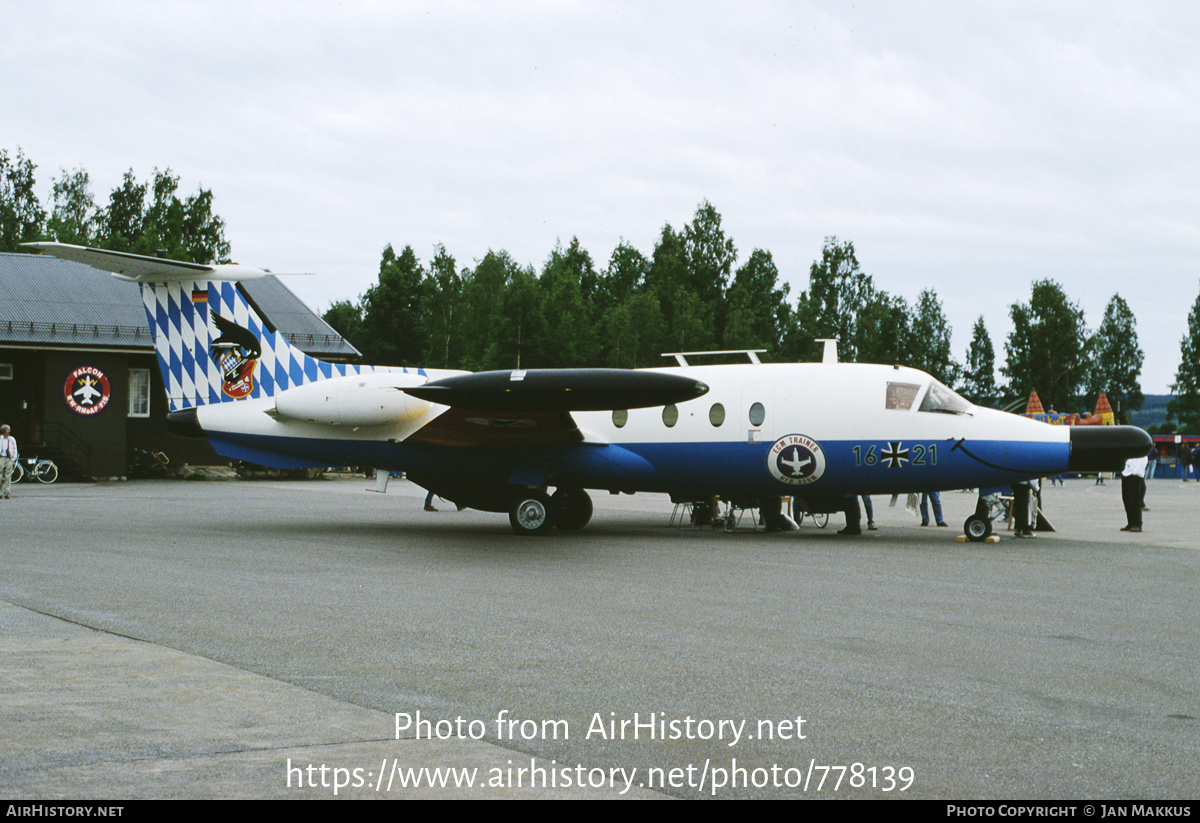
<point>561,390</point>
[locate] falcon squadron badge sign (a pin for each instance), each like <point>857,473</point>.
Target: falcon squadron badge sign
<point>87,391</point>
<point>796,460</point>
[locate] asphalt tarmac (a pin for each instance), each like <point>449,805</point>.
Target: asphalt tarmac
<point>173,639</point>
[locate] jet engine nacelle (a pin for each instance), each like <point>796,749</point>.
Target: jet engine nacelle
<point>355,400</point>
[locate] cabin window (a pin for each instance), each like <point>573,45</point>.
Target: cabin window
<point>900,396</point>
<point>670,415</point>
<point>620,417</point>
<point>716,415</point>
<point>758,413</point>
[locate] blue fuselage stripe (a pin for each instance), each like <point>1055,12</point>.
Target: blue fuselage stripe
<point>849,467</point>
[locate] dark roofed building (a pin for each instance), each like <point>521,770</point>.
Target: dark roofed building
<point>50,302</point>
<point>65,325</point>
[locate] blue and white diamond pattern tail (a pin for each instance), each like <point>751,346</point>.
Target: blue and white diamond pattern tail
<point>180,314</point>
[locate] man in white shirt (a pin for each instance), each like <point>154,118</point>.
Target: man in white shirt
<point>1133,492</point>
<point>8,461</point>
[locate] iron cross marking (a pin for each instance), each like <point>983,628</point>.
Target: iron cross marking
<point>894,455</point>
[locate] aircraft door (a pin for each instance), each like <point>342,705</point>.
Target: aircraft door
<point>758,414</point>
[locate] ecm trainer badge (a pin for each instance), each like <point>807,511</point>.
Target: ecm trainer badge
<point>796,460</point>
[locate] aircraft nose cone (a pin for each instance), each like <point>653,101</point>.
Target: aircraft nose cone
<point>1106,448</point>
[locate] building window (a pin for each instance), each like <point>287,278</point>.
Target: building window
<point>6,371</point>
<point>139,392</point>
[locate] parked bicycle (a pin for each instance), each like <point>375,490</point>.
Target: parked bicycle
<point>44,470</point>
<point>820,519</point>
<point>147,463</point>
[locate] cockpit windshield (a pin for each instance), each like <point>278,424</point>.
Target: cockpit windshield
<point>941,399</point>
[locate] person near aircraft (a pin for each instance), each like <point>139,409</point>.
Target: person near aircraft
<point>870,510</point>
<point>853,517</point>
<point>8,460</point>
<point>1133,493</point>
<point>934,498</point>
<point>1021,495</point>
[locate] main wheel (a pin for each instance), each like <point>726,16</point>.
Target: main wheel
<point>572,508</point>
<point>977,528</point>
<point>531,514</point>
<point>46,471</point>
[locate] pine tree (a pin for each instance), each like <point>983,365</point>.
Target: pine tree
<point>882,331</point>
<point>757,309</point>
<point>930,344</point>
<point>1116,359</point>
<point>443,286</point>
<point>1185,407</point>
<point>21,215</point>
<point>568,290</point>
<point>392,312</point>
<point>838,291</point>
<point>1046,347</point>
<point>979,374</point>
<point>75,215</point>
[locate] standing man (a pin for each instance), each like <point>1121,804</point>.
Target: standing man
<point>1022,492</point>
<point>1133,492</point>
<point>8,460</point>
<point>936,499</point>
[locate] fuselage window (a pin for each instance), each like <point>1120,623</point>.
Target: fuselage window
<point>758,413</point>
<point>670,415</point>
<point>620,417</point>
<point>716,415</point>
<point>900,396</point>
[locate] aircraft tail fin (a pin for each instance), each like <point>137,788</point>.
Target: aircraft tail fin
<point>214,347</point>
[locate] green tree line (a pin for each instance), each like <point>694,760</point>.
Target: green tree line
<point>692,292</point>
<point>143,218</point>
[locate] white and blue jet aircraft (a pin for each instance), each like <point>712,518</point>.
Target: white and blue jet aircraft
<point>820,433</point>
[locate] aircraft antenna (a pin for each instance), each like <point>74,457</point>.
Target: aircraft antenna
<point>830,353</point>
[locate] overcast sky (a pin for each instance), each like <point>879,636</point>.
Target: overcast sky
<point>972,148</point>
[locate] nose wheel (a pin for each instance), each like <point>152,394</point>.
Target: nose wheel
<point>977,528</point>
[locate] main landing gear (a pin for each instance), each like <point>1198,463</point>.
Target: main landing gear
<point>535,512</point>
